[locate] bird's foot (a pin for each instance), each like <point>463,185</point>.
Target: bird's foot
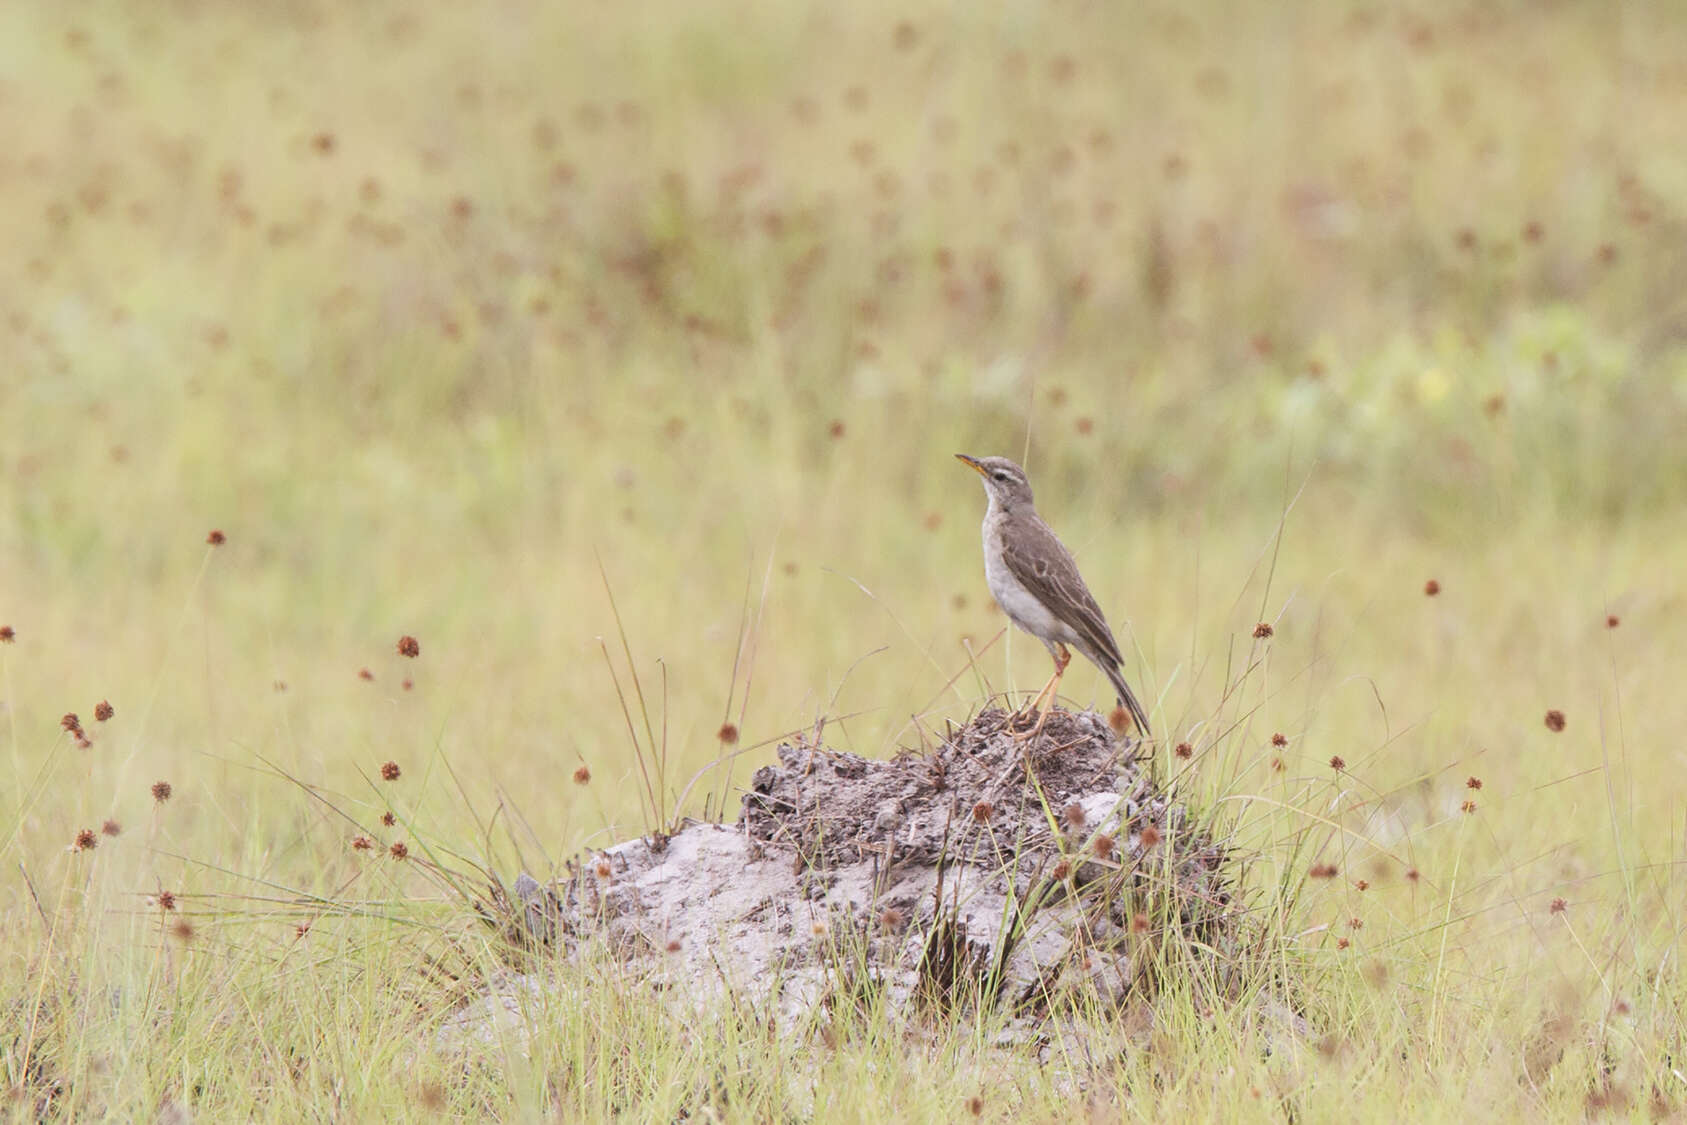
<point>1028,721</point>
<point>1028,724</point>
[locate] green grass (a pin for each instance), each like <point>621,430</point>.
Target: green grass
<point>436,312</point>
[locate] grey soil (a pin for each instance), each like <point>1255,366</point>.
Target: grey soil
<point>988,869</point>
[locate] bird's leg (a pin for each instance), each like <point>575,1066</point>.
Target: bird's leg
<point>1044,701</point>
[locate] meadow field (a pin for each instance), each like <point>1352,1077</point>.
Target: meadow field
<point>582,342</point>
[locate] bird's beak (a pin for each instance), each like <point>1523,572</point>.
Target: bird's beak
<point>974,463</point>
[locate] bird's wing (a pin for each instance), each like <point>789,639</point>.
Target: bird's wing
<point>1045,567</point>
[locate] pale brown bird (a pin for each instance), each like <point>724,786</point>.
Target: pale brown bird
<point>1036,582</point>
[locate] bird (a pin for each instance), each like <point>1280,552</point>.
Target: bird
<point>1036,582</point>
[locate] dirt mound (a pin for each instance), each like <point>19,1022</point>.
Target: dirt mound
<point>979,790</point>
<point>988,869</point>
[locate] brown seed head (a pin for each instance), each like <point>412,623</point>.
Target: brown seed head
<point>1473,783</point>
<point>892,918</point>
<point>1139,923</point>
<point>1412,875</point>
<point>1555,721</point>
<point>1279,740</point>
<point>728,734</point>
<point>365,674</point>
<point>603,869</point>
<point>1338,763</point>
<point>983,811</point>
<point>1558,906</point>
<point>362,844</point>
<point>182,931</point>
<point>111,828</point>
<point>836,429</point>
<point>1102,845</point>
<point>407,684</point>
<point>166,901</point>
<point>1342,943</point>
<point>301,930</point>
<point>975,1105</point>
<point>389,771</point>
<point>216,538</point>
<point>1150,836</point>
<point>86,840</point>
<point>71,723</point>
<point>1073,815</point>
<point>1431,588</point>
<point>582,775</point>
<point>1184,750</point>
<point>409,646</point>
<point>1611,622</point>
<point>82,741</point>
<point>7,635</point>
<point>1119,720</point>
<point>1276,764</point>
<point>388,819</point>
<point>399,850</point>
<point>103,711</point>
<point>1361,885</point>
<point>1263,630</point>
<point>161,791</point>
<point>1323,871</point>
<point>1062,869</point>
<point>1468,807</point>
<point>1355,923</point>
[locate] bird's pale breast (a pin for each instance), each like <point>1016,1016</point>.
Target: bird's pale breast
<point>1021,606</point>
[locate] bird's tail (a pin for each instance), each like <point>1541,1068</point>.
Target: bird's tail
<point>1127,698</point>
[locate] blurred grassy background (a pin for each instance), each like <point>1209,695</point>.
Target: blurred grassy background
<point>431,308</point>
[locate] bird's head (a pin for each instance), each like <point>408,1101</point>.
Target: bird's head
<point>1005,482</point>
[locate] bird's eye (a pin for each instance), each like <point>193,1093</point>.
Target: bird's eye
<point>999,475</point>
